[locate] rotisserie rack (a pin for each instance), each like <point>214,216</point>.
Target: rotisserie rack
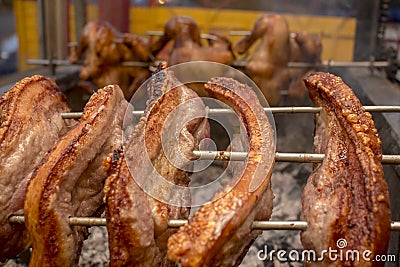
<point>238,156</point>
<point>221,155</point>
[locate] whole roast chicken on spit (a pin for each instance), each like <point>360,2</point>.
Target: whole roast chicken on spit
<point>184,33</point>
<point>306,48</point>
<point>267,65</point>
<point>103,49</point>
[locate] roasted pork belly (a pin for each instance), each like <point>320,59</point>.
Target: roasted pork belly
<point>30,124</point>
<point>346,199</point>
<point>221,231</point>
<point>70,180</point>
<point>139,203</point>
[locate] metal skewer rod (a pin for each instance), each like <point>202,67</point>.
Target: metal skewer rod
<point>260,225</point>
<point>116,41</point>
<point>238,63</point>
<point>279,157</point>
<point>58,62</point>
<point>223,111</point>
<point>326,64</point>
<point>68,63</point>
<point>202,35</point>
<point>151,33</point>
<point>136,64</point>
<point>71,115</point>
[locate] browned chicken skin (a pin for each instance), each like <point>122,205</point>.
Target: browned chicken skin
<point>30,124</point>
<point>346,197</point>
<point>267,66</point>
<point>103,57</point>
<point>97,41</point>
<point>187,46</point>
<point>304,47</point>
<point>137,223</point>
<point>221,231</point>
<point>70,181</point>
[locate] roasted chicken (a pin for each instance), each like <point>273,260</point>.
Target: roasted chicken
<point>69,181</point>
<point>346,199</point>
<point>141,191</point>
<point>104,49</point>
<point>187,46</point>
<point>221,231</point>
<point>307,48</point>
<point>30,124</point>
<point>267,66</point>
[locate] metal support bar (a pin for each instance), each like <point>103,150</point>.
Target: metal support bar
<point>223,111</point>
<point>240,63</point>
<point>327,64</point>
<point>279,157</point>
<point>260,225</point>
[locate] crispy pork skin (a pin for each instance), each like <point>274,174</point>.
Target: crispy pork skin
<point>346,197</point>
<point>30,124</point>
<point>70,180</point>
<point>221,231</point>
<point>137,222</point>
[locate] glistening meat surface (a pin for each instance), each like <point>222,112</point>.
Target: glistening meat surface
<point>221,230</point>
<point>139,203</point>
<point>30,124</point>
<point>70,180</point>
<point>346,197</point>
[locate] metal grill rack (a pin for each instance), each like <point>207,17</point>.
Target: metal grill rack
<point>238,156</point>
<point>326,64</point>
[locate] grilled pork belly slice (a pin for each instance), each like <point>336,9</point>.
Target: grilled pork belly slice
<point>346,197</point>
<point>137,222</point>
<point>70,181</point>
<point>221,231</point>
<point>30,124</point>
